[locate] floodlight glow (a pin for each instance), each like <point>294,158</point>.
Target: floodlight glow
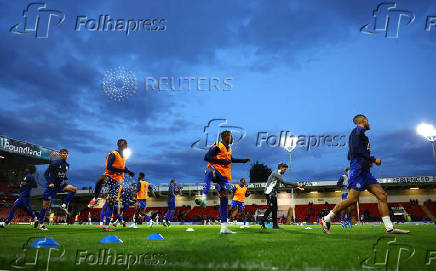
<point>426,130</point>
<point>289,142</point>
<point>126,153</point>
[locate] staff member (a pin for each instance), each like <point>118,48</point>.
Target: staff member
<point>272,186</point>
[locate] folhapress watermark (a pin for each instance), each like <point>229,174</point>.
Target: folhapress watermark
<point>388,19</point>
<point>105,23</point>
<point>212,131</point>
<point>285,138</point>
<point>108,257</point>
<point>39,19</point>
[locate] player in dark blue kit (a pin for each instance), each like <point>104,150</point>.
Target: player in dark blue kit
<point>56,177</point>
<point>360,178</point>
<point>346,213</point>
<point>128,197</point>
<point>172,191</point>
<point>24,198</point>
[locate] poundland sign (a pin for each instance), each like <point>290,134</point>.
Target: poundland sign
<point>23,148</point>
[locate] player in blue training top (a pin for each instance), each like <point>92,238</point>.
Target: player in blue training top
<point>56,177</point>
<point>172,191</point>
<point>346,213</point>
<point>360,177</point>
<point>24,198</point>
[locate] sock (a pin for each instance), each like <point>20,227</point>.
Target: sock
<point>97,190</point>
<point>101,223</point>
<point>120,218</point>
<point>223,209</point>
<point>11,216</point>
<point>223,225</point>
<point>207,180</point>
<point>349,217</point>
<point>329,217</point>
<point>388,223</point>
<point>30,212</point>
<point>245,221</point>
<point>42,216</point>
<point>69,197</point>
<point>102,215</point>
<point>109,211</point>
<point>166,216</point>
<point>171,216</point>
<point>342,218</point>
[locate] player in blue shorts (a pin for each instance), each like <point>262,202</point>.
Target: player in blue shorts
<point>56,177</point>
<point>360,177</point>
<point>142,189</point>
<point>24,198</point>
<point>218,171</point>
<point>240,191</point>
<point>346,213</point>
<point>172,191</point>
<point>128,199</point>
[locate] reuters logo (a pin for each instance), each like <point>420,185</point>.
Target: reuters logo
<point>119,84</point>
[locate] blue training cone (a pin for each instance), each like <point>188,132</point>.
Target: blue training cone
<point>44,242</point>
<point>155,237</point>
<point>434,227</point>
<point>270,225</point>
<point>111,239</point>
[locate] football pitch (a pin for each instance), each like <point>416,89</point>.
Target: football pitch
<point>290,248</point>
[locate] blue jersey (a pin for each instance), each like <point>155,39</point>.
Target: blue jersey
<point>359,152</point>
<point>56,173</point>
<point>26,188</point>
<point>172,192</point>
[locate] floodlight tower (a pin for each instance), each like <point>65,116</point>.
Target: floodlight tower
<point>428,131</point>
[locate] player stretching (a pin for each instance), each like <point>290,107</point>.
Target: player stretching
<point>239,194</point>
<point>360,177</point>
<point>56,177</point>
<point>172,191</point>
<point>218,171</point>
<point>24,198</point>
<point>272,186</point>
<point>142,188</point>
<point>115,169</point>
<point>346,213</point>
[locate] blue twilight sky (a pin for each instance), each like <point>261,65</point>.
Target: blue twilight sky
<point>300,66</point>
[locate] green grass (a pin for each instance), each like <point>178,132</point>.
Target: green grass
<point>291,247</point>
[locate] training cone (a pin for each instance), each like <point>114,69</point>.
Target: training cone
<point>308,228</point>
<point>44,242</point>
<point>155,237</point>
<point>434,227</point>
<point>270,225</point>
<point>111,239</point>
<point>189,229</point>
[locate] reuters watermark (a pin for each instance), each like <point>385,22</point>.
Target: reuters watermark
<point>107,257</point>
<point>188,83</point>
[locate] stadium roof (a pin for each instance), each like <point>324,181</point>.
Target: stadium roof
<point>16,152</point>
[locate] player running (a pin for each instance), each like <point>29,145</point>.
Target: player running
<point>271,189</point>
<point>24,198</point>
<point>142,189</point>
<point>346,213</point>
<point>239,194</point>
<point>115,169</point>
<point>128,199</point>
<point>172,191</point>
<point>360,177</point>
<point>56,177</point>
<point>218,171</point>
